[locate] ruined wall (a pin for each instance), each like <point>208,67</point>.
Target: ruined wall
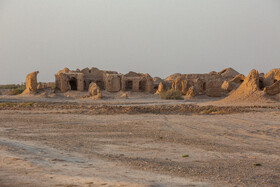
<point>31,82</point>
<point>271,77</point>
<point>112,82</point>
<point>137,82</point>
<point>61,82</point>
<point>209,84</point>
<point>273,89</point>
<point>69,80</point>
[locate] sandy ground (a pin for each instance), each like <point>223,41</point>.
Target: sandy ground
<point>68,143</point>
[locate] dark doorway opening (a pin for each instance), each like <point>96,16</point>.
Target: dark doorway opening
<point>261,85</point>
<point>85,85</point>
<point>100,84</point>
<point>204,86</point>
<point>73,83</point>
<point>128,85</point>
<point>155,88</point>
<point>142,86</point>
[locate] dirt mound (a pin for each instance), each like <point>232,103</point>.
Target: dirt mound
<point>249,91</point>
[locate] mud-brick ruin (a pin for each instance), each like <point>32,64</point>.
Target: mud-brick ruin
<point>200,84</point>
<point>227,82</point>
<point>110,81</point>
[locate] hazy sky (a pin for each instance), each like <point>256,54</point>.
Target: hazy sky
<point>159,37</point>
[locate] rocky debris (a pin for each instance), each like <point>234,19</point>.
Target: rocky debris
<point>94,90</point>
<point>31,83</point>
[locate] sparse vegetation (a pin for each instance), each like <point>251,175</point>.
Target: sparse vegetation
<point>10,86</point>
<point>27,104</point>
<point>16,89</point>
<point>257,164</point>
<point>209,111</point>
<point>212,111</point>
<point>53,86</point>
<point>185,156</point>
<point>171,94</point>
<point>8,104</point>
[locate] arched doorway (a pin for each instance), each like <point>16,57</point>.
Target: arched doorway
<point>73,83</point>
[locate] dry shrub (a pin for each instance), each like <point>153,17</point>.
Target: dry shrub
<point>171,94</point>
<point>17,91</point>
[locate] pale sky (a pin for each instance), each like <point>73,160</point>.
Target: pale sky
<point>159,37</point>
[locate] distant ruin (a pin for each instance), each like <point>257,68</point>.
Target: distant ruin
<point>213,84</point>
<point>200,84</point>
<point>110,81</point>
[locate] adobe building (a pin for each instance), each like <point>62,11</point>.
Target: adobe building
<point>110,81</point>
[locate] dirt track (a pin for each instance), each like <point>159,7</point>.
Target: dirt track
<point>134,142</point>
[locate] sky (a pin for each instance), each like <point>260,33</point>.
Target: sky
<point>159,37</point>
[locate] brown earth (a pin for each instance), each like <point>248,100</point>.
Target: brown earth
<point>137,142</point>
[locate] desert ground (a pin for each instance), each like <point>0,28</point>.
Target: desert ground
<point>140,141</point>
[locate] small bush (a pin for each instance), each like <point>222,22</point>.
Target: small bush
<point>257,164</point>
<point>53,86</point>
<point>17,91</point>
<point>212,111</point>
<point>27,104</point>
<point>171,94</point>
<point>209,111</point>
<point>185,156</point>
